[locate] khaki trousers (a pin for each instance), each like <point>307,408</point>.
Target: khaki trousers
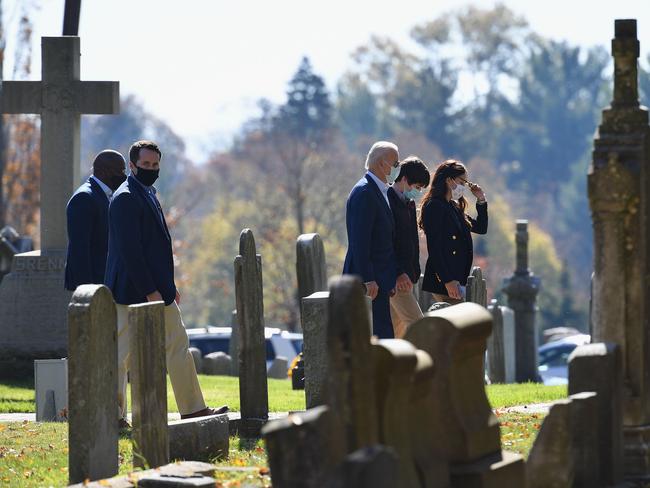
<point>404,310</point>
<point>180,364</point>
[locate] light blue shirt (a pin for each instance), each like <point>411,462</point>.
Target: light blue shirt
<point>383,187</point>
<point>102,185</point>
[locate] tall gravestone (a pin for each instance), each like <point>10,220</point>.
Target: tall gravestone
<point>92,380</point>
<point>311,267</point>
<point>33,320</point>
<point>253,388</point>
<point>148,378</point>
<point>522,288</point>
<point>477,287</point>
<point>619,196</point>
<point>351,388</point>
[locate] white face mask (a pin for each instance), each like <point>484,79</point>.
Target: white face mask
<point>458,192</point>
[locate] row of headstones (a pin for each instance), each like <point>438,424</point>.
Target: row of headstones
<point>93,428</point>
<point>414,412</point>
<point>221,364</point>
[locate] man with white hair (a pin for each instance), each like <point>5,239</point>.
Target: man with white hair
<point>370,227</point>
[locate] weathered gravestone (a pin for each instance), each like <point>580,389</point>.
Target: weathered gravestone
<point>455,338</point>
<point>522,289</point>
<point>233,345</point>
<point>476,287</point>
<point>619,197</point>
<point>217,363</point>
<point>148,377</point>
<point>300,450</point>
<point>314,316</point>
<point>199,439</point>
<point>584,439</point>
<point>395,363</point>
<point>351,385</point>
<point>33,321</point>
<point>501,347</point>
<point>314,327</point>
<point>197,356</point>
<point>598,368</point>
<point>551,460</point>
<point>311,268</point>
<point>92,380</point>
<point>253,389</point>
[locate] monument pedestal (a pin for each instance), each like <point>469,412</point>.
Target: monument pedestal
<point>33,314</point>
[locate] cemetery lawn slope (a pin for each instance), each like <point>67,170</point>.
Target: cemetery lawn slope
<point>523,394</point>
<point>16,396</point>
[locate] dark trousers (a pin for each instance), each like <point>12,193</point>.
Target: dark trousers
<point>382,326</point>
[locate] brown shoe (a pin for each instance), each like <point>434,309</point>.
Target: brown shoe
<point>205,412</point>
<point>124,424</point>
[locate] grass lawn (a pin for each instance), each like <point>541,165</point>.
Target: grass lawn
<point>36,454</point>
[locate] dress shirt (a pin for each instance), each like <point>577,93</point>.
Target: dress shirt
<point>102,185</point>
<point>383,187</point>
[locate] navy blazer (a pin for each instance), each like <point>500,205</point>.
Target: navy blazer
<point>140,259</point>
<point>370,227</point>
<point>87,216</point>
<point>407,241</point>
<point>449,241</point>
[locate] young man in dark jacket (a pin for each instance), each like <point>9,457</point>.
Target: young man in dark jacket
<point>412,178</point>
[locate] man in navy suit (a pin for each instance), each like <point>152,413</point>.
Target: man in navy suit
<point>87,215</point>
<point>370,227</point>
<point>140,268</point>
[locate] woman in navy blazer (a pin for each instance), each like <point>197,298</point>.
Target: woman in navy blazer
<point>448,231</point>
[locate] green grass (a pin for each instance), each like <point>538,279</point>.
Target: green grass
<point>523,393</point>
<point>36,454</point>
<point>18,396</point>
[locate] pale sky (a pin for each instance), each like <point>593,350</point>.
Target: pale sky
<point>201,65</point>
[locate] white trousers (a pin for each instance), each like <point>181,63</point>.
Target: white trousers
<point>180,364</point>
<point>404,310</point>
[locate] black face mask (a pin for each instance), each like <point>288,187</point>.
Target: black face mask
<point>114,181</point>
<point>146,176</point>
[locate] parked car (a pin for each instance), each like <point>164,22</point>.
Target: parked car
<point>278,342</point>
<point>553,358</point>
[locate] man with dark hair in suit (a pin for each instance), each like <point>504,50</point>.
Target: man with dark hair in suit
<point>87,215</point>
<point>370,227</point>
<point>412,178</point>
<point>140,268</point>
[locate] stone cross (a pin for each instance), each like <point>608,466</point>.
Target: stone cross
<point>522,289</point>
<point>92,380</point>
<point>619,197</point>
<point>253,388</point>
<point>148,377</point>
<point>60,98</point>
<point>311,267</point>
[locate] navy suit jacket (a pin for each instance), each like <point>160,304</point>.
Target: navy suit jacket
<point>370,227</point>
<point>87,216</point>
<point>140,259</point>
<point>449,241</point>
<point>407,240</point>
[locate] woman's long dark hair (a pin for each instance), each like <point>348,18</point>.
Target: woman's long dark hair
<point>450,168</point>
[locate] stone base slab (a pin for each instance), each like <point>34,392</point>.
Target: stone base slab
<point>201,439</point>
<point>636,454</point>
<point>495,471</point>
<point>182,473</point>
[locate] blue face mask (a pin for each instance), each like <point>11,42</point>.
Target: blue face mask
<point>412,194</point>
<point>394,173</point>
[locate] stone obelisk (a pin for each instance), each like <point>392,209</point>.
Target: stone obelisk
<point>619,196</point>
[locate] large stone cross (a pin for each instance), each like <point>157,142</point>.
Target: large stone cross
<point>60,98</point>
